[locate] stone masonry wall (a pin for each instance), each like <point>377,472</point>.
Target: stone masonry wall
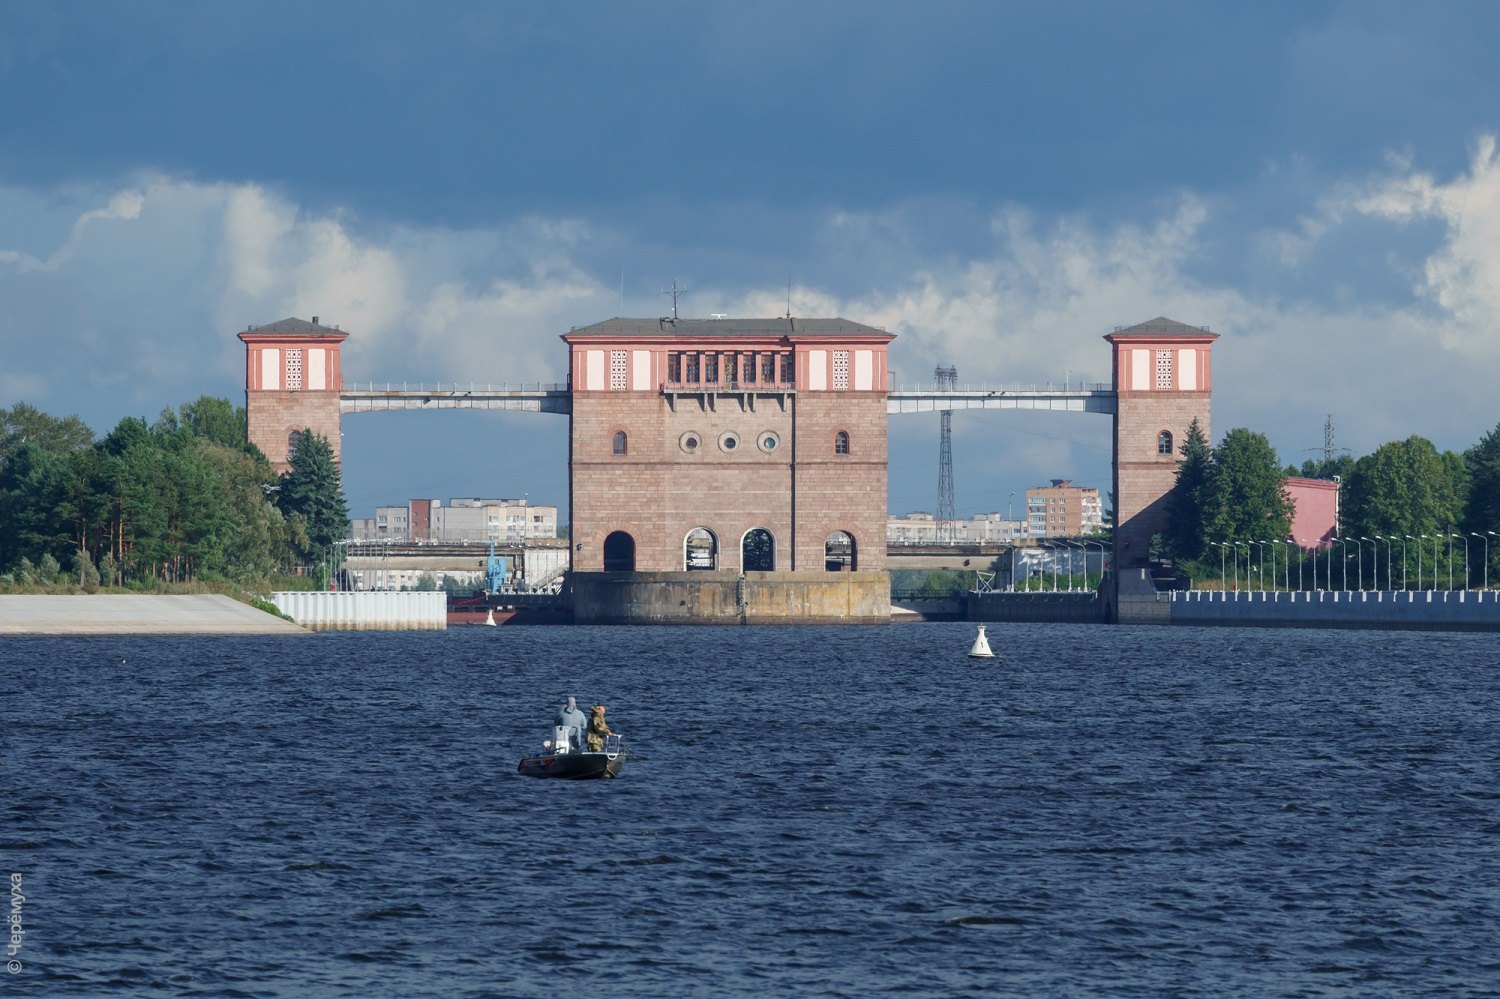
<point>272,416</point>
<point>659,491</point>
<point>1142,476</point>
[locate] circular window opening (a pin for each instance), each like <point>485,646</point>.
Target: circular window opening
<point>729,441</point>
<point>769,441</point>
<point>689,441</point>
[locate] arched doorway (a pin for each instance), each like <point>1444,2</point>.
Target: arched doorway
<point>619,552</point>
<point>758,551</point>
<point>839,552</point>
<point>700,550</point>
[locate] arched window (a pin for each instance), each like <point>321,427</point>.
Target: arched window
<point>758,551</point>
<point>619,552</point>
<point>841,442</point>
<point>293,441</point>
<point>701,549</point>
<point>838,552</point>
<point>1164,442</point>
<point>621,443</point>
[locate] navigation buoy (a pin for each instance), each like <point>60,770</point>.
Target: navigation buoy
<point>490,619</point>
<point>981,649</point>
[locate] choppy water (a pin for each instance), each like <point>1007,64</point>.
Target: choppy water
<point>815,811</point>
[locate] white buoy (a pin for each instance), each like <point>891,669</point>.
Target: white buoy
<point>490,620</point>
<point>981,649</point>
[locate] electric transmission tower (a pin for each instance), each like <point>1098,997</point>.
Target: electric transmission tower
<point>947,378</point>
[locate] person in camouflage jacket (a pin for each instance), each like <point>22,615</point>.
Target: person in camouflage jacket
<point>598,729</point>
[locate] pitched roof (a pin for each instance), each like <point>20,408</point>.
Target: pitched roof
<point>293,325</point>
<point>779,326</point>
<point>1162,326</point>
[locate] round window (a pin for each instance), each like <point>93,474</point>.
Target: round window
<point>729,441</point>
<point>769,441</point>
<point>690,441</point>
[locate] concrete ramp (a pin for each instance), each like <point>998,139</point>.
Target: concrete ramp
<point>131,614</point>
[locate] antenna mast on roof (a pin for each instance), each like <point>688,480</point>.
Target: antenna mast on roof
<point>674,291</point>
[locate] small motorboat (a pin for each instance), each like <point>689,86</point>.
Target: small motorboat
<point>570,763</point>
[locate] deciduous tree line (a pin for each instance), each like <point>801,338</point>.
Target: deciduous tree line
<point>185,498</point>
<point>1236,493</point>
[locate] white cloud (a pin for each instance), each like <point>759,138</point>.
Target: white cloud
<point>143,286</point>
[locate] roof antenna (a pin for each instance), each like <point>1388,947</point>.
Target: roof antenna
<point>674,291</point>
<point>789,296</point>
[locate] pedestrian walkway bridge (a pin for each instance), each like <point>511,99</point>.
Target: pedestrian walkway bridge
<point>553,398</point>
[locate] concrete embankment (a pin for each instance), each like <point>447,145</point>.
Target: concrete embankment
<point>131,614</point>
<point>1423,610</point>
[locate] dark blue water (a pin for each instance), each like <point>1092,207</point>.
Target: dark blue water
<point>817,811</point>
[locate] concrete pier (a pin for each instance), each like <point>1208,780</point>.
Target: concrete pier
<point>133,614</point>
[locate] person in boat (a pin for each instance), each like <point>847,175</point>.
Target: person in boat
<point>569,717</point>
<point>598,729</point>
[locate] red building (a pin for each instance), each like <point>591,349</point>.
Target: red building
<point>1315,520</point>
<point>708,455</point>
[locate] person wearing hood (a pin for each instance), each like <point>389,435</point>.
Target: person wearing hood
<point>598,729</point>
<point>569,717</point>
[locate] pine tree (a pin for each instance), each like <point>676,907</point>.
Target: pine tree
<point>312,488</point>
<point>1184,537</point>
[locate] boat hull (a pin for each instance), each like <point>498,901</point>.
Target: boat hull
<point>572,766</point>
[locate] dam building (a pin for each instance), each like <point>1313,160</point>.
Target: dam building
<point>734,470</point>
<point>728,469</point>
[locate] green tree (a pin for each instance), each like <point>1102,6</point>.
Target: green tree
<point>23,424</point>
<point>312,489</point>
<point>1246,498</point>
<point>1184,537</point>
<point>216,420</point>
<point>85,570</point>
<point>1338,466</point>
<point>1482,509</point>
<point>1407,489</point>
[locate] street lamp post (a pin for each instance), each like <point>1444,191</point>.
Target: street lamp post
<point>1465,539</point>
<point>1223,565</point>
<point>1301,561</point>
<point>1344,561</point>
<point>1404,539</point>
<point>1486,564</point>
<point>1260,566</point>
<point>1359,545</point>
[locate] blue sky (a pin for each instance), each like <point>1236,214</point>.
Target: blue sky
<point>1000,184</point>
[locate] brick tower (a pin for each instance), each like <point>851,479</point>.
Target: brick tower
<point>1162,382</point>
<point>292,383</point>
<point>738,465</point>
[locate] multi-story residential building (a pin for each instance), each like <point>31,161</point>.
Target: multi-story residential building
<point>1063,510</point>
<point>462,519</point>
<point>921,527</point>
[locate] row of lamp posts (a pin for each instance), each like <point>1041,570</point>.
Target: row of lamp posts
<point>1343,543</point>
<point>1058,545</point>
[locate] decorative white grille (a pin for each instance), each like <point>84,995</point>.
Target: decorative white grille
<point>293,369</point>
<point>1164,369</point>
<point>841,369</point>
<point>619,369</point>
